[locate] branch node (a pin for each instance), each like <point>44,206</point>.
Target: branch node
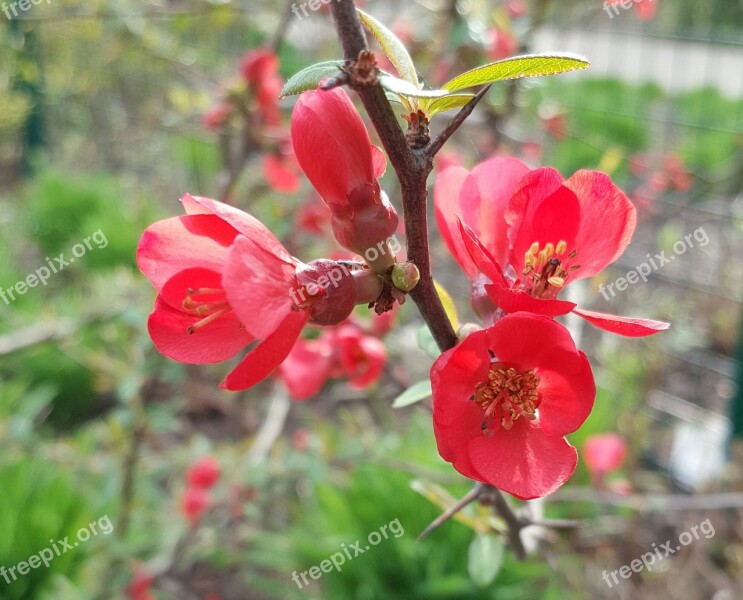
<point>363,72</point>
<point>418,135</point>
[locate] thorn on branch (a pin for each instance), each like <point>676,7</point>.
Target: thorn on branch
<point>432,149</point>
<point>468,498</point>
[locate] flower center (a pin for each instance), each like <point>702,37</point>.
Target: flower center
<point>506,396</point>
<point>546,270</point>
<point>210,303</point>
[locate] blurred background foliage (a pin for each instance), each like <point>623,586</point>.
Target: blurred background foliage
<point>101,107</point>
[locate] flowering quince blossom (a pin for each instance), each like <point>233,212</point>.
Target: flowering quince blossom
<point>195,501</point>
<point>332,146</point>
<point>522,235</point>
<point>503,400</point>
<point>224,282</point>
<point>604,453</point>
<point>204,473</point>
<point>342,352</point>
<point>260,71</point>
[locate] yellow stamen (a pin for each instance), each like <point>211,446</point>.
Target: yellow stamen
<point>562,245</point>
<point>549,250</point>
<point>556,281</point>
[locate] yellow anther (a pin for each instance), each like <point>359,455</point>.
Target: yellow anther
<point>562,246</point>
<point>541,259</point>
<point>534,248</point>
<point>549,249</point>
<point>557,282</point>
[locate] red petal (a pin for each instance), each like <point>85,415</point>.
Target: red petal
<point>170,246</point>
<point>258,286</point>
<point>332,144</point>
<point>527,341</point>
<point>480,256</point>
<point>496,180</point>
<point>524,461</point>
<point>626,326</point>
<point>455,374</point>
<point>607,222</point>
<point>542,211</point>
<point>260,362</point>
<point>568,397</point>
<point>511,301</point>
<point>246,224</point>
<point>213,343</point>
<point>446,208</point>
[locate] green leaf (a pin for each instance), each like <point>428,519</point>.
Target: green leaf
<point>415,393</point>
<point>309,78</point>
<point>425,341</point>
<point>392,47</point>
<point>405,88</point>
<point>484,559</point>
<point>435,106</point>
<point>532,65</point>
<point>448,303</point>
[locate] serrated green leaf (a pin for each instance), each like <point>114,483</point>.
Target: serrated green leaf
<point>484,559</point>
<point>533,65</point>
<point>405,88</point>
<point>448,302</point>
<point>438,105</point>
<point>392,47</point>
<point>415,393</point>
<point>309,78</point>
<point>425,341</point>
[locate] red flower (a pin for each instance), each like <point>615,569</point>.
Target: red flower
<point>644,9</point>
<point>194,503</point>
<point>281,172</point>
<point>501,44</point>
<point>333,148</point>
<point>139,586</point>
<point>217,116</point>
<point>224,281</point>
<point>504,399</point>
<point>260,70</point>
<point>361,356</point>
<point>529,233</point>
<point>204,473</point>
<point>604,453</point>
<point>307,368</point>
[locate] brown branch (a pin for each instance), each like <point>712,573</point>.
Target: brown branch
<point>412,168</point>
<point>469,497</point>
<point>513,521</point>
<point>437,143</point>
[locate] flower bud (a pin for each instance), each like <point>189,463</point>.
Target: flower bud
<point>405,276</point>
<point>333,148</point>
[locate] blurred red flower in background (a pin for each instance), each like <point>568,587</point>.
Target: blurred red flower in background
<point>204,473</point>
<point>504,399</point>
<point>195,501</point>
